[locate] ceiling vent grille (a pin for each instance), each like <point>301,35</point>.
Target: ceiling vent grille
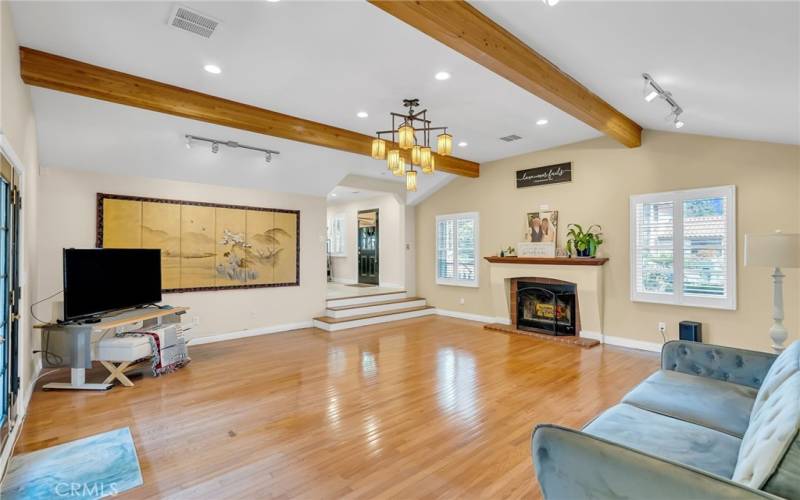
<point>186,19</point>
<point>511,138</point>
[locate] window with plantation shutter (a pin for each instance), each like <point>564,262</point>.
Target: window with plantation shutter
<point>457,249</point>
<point>336,242</point>
<point>683,247</point>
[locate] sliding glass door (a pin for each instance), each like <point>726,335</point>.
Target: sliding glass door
<point>9,297</point>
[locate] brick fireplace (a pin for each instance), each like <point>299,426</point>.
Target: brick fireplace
<point>551,298</point>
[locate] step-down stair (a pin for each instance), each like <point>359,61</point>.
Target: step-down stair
<point>351,312</point>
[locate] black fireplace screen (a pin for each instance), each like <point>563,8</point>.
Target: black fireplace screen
<point>546,308</point>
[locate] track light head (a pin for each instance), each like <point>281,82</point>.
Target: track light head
<point>215,147</point>
<point>188,142</point>
<point>268,157</point>
<point>678,122</point>
<point>651,95</point>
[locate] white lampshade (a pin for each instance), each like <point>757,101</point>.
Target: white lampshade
<point>772,250</point>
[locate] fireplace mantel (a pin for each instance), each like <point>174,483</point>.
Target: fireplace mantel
<point>551,261</point>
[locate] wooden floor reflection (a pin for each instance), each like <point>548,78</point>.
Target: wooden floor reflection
<point>422,408</point>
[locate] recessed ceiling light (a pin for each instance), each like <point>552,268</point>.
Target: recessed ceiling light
<point>362,114</point>
<point>213,69</point>
<point>550,2</point>
<point>273,1</point>
<point>442,75</point>
<point>542,121</point>
<point>332,194</point>
<point>463,144</point>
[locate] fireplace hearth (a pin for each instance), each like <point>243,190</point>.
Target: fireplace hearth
<point>545,306</point>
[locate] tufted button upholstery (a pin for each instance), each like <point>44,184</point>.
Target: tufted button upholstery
<point>787,364</point>
<point>722,363</point>
<point>772,430</point>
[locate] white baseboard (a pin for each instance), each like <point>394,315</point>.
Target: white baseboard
<point>468,316</point>
<point>622,341</point>
<point>345,281</point>
<point>252,332</point>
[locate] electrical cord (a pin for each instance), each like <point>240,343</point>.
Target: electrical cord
<point>51,358</point>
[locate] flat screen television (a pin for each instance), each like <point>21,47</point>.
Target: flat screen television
<point>100,280</point>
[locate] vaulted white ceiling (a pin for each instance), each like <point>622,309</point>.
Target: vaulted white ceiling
<point>733,66</point>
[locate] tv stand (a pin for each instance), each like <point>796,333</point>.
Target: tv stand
<point>81,341</point>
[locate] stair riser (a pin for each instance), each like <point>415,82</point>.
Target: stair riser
<point>368,309</point>
<point>366,299</point>
<point>335,327</point>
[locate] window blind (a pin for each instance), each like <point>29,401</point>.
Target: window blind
<point>457,249</point>
<point>683,246</point>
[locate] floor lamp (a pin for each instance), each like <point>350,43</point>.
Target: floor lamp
<point>777,250</point>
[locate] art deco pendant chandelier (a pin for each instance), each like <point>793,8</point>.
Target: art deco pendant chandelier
<point>410,144</point>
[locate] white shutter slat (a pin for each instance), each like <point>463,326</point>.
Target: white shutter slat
<point>457,249</point>
<point>654,247</point>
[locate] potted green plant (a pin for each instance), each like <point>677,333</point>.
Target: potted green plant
<point>583,243</point>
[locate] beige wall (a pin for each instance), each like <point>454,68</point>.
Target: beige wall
<point>19,129</point>
<point>391,234</point>
<point>605,174</point>
<point>68,208</point>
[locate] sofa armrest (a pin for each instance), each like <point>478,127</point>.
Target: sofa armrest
<point>571,465</point>
<point>730,364</point>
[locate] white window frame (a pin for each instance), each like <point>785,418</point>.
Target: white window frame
<point>677,297</point>
<point>456,281</point>
<point>342,218</point>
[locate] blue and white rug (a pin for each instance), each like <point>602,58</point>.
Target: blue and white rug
<point>94,467</point>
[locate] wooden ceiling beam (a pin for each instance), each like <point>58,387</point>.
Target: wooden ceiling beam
<point>466,30</point>
<point>54,72</point>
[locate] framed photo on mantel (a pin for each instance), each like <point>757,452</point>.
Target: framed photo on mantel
<point>540,176</point>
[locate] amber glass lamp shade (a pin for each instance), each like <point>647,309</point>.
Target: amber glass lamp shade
<point>425,159</point>
<point>444,144</point>
<point>378,149</point>
<point>392,159</point>
<point>411,180</point>
<point>406,136</point>
<point>433,164</point>
<point>400,168</point>
<point>416,154</point>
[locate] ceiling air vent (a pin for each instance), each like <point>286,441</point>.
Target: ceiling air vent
<point>190,20</point>
<point>511,138</point>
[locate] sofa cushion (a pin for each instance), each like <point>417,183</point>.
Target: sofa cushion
<point>704,401</point>
<point>773,429</point>
<point>786,365</point>
<point>673,439</point>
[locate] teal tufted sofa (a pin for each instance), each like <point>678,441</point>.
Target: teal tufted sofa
<point>714,422</point>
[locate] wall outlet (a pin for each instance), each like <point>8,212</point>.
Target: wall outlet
<point>461,301</point>
<point>662,328</point>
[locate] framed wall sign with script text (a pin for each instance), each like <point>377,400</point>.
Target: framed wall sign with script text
<point>539,176</point>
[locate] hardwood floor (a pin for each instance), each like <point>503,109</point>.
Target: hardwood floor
<point>427,407</point>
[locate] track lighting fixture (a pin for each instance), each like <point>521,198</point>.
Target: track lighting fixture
<point>653,90</point>
<point>215,143</point>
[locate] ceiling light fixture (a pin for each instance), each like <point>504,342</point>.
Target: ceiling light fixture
<point>420,153</point>
<point>542,121</point>
<point>362,114</point>
<point>442,75</point>
<point>550,3</point>
<point>213,69</point>
<point>652,90</point>
<point>333,195</point>
<point>215,143</point>
<point>463,144</point>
